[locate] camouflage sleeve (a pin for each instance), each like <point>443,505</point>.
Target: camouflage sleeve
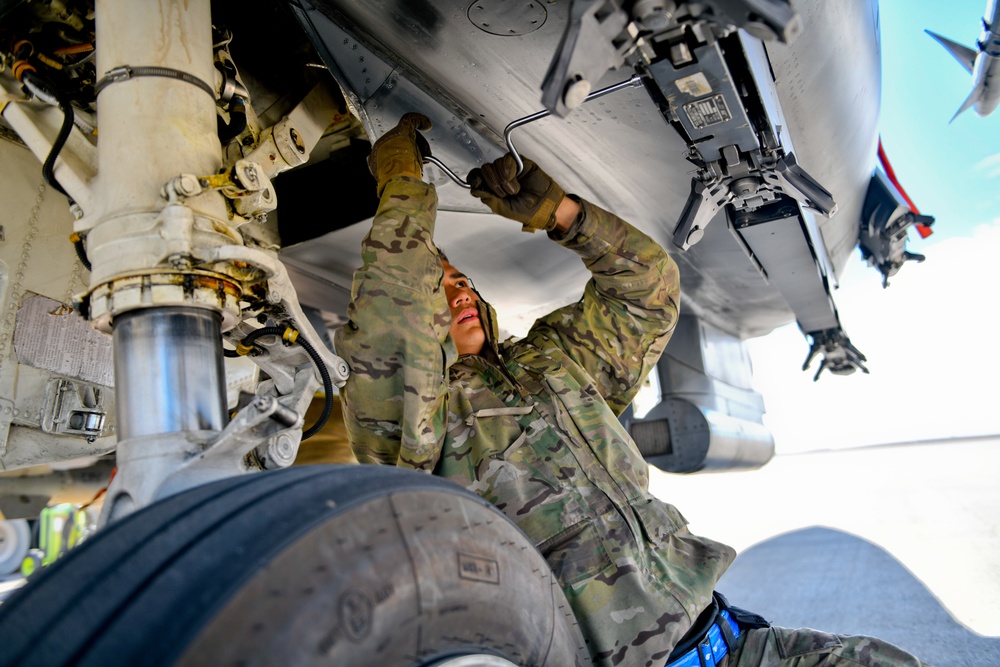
<point>618,330</point>
<point>396,339</point>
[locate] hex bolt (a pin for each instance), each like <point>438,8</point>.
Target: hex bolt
<point>188,185</point>
<point>250,175</point>
<point>283,446</point>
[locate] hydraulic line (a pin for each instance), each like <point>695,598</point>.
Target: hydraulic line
<point>291,335</point>
<point>237,121</point>
<point>81,250</point>
<point>46,92</point>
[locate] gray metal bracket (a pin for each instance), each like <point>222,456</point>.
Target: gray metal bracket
<point>885,220</point>
<point>764,19</point>
<point>747,189</point>
<point>153,467</point>
<point>596,40</point>
<point>795,182</point>
<point>601,34</point>
<point>840,357</point>
<point>702,204</point>
<point>264,420</point>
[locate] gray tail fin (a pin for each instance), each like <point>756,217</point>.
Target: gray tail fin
<point>963,54</point>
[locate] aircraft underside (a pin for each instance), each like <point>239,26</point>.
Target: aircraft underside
<point>207,161</point>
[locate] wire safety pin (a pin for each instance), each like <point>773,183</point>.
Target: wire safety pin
<point>633,82</point>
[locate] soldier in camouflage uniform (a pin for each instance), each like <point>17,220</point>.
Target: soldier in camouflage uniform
<point>531,425</point>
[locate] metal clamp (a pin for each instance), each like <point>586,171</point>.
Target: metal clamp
<point>125,72</point>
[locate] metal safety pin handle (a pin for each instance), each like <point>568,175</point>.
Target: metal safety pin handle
<point>447,172</point>
<point>634,82</point>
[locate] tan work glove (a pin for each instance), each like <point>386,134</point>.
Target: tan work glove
<point>400,151</point>
<point>531,198</point>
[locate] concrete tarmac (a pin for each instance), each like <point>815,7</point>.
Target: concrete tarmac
<point>901,542</point>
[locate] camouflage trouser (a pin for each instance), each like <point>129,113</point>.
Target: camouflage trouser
<point>804,647</point>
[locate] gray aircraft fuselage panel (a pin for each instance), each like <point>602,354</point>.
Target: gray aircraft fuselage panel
<point>617,151</point>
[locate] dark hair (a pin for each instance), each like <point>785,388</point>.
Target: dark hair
<point>441,253</point>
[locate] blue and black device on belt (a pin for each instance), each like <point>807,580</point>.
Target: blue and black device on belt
<point>714,634</point>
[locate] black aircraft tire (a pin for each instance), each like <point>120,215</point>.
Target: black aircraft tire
<point>335,565</point>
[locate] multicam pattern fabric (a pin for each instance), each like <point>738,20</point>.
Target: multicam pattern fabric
<point>784,647</point>
<point>532,425</point>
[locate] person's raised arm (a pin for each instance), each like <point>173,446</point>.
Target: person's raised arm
<point>396,340</point>
<point>618,330</point>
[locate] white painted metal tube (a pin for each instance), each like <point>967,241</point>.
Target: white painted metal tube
<point>152,128</point>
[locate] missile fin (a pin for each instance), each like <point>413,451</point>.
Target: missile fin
<point>973,97</point>
<point>963,54</point>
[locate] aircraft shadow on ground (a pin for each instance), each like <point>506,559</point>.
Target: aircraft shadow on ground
<point>834,581</point>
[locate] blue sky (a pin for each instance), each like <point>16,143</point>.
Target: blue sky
<point>939,164</point>
<point>931,336</point>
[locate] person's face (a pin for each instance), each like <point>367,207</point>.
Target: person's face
<point>466,328</point>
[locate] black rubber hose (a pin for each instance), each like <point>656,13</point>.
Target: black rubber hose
<point>327,389</point>
<point>320,366</point>
<point>260,333</point>
<point>251,337</point>
<point>237,121</point>
<point>81,253</point>
<point>48,167</point>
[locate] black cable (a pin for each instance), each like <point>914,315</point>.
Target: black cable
<point>260,333</point>
<point>81,251</point>
<point>327,389</point>
<point>48,167</point>
<point>317,360</point>
<point>49,92</point>
<point>237,121</point>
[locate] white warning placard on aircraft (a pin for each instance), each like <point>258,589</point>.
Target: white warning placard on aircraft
<point>51,336</point>
<point>695,85</point>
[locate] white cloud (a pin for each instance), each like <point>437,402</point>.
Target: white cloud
<point>931,339</point>
<point>991,164</point>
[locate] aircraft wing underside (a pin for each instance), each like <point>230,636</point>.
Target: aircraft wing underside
<point>746,275</point>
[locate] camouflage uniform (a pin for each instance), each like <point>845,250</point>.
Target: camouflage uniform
<point>784,647</point>
<point>532,425</point>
